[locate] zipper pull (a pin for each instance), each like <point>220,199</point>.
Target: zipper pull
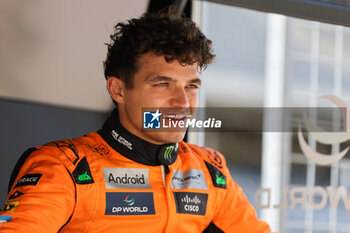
<point>167,170</point>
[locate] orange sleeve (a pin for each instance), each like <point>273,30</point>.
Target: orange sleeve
<point>236,214</point>
<point>42,197</point>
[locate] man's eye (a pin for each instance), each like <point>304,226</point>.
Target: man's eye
<point>192,86</point>
<point>161,84</point>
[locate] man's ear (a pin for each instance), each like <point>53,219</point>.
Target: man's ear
<point>116,88</point>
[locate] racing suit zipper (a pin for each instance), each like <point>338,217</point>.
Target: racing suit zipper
<point>165,171</point>
<point>163,175</point>
<point>172,221</point>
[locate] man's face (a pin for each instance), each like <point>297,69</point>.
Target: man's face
<point>157,84</point>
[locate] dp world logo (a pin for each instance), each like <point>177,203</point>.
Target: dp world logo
<point>326,137</point>
<point>151,120</point>
<point>129,201</point>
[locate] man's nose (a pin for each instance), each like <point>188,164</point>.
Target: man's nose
<point>180,98</point>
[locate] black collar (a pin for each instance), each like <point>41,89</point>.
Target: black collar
<point>134,147</point>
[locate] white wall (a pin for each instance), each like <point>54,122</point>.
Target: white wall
<point>52,51</point>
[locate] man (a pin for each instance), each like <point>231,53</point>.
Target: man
<point>125,178</point>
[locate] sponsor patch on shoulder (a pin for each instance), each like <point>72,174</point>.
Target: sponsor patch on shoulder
<point>5,218</point>
<point>29,179</point>
<point>191,203</point>
<point>82,173</point>
<point>9,207</point>
<point>189,179</point>
<point>219,179</point>
<point>129,203</point>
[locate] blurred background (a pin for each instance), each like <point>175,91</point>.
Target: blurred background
<point>270,53</point>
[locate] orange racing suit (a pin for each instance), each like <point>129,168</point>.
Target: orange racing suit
<point>113,181</point>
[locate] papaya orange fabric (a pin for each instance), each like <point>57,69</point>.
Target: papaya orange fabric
<point>111,193</point>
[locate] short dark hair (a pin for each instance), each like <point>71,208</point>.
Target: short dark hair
<point>166,33</point>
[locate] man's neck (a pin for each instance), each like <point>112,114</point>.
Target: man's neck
<point>134,147</point>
